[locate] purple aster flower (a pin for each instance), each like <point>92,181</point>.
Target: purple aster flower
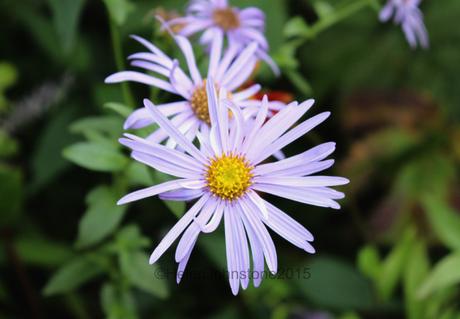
<point>408,15</point>
<point>230,69</point>
<point>226,174</point>
<point>217,18</point>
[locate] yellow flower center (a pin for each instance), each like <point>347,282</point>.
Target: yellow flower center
<point>229,176</point>
<point>199,103</point>
<point>226,18</point>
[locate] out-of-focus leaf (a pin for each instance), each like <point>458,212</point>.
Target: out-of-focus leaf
<point>350,315</point>
<point>445,274</point>
<point>66,14</point>
<point>214,247</point>
<point>47,162</point>
<point>393,265</point>
<point>296,27</point>
<point>418,179</point>
<point>415,272</point>
<point>8,146</point>
<point>135,266</point>
<point>130,238</point>
<point>369,261</point>
<point>8,77</point>
<point>444,220</point>
<point>101,218</point>
<point>11,194</point>
<point>116,304</point>
<point>299,82</point>
<point>119,108</point>
<point>42,252</point>
<point>138,175</point>
<point>336,285</point>
<point>96,156</point>
<point>323,8</point>
<point>109,125</point>
<point>72,275</point>
<point>119,9</point>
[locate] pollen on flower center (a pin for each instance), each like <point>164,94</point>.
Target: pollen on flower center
<point>199,103</point>
<point>229,176</point>
<point>226,18</point>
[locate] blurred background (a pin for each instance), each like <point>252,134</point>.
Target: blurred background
<point>67,251</point>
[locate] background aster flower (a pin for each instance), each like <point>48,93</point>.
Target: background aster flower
<point>217,18</point>
<point>225,176</point>
<point>230,69</point>
<point>410,17</point>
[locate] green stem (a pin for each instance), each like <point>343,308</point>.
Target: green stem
<point>338,16</point>
<point>119,60</point>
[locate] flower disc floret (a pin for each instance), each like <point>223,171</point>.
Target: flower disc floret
<point>229,176</point>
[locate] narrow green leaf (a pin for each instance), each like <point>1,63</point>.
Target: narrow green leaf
<point>109,125</point>
<point>393,266</point>
<point>135,266</point>
<point>11,194</point>
<point>415,272</point>
<point>71,276</point>
<point>66,14</point>
<point>101,218</point>
<point>296,27</point>
<point>119,108</point>
<point>117,304</point>
<point>8,146</point>
<point>42,252</point>
<point>336,285</point>
<point>96,156</point>
<point>369,261</point>
<point>119,10</point>
<point>445,274</point>
<point>444,220</point>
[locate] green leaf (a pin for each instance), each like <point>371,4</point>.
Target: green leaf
<point>369,261</point>
<point>129,238</point>
<point>119,10</point>
<point>296,27</point>
<point>11,194</point>
<point>47,162</point>
<point>8,146</point>
<point>393,266</point>
<point>323,9</point>
<point>119,108</point>
<point>72,275</point>
<point>415,272</point>
<point>135,266</point>
<point>101,218</point>
<point>445,274</point>
<point>444,220</point>
<point>42,252</point>
<point>111,126</point>
<point>117,304</point>
<point>336,285</point>
<point>96,156</point>
<point>8,75</point>
<point>66,14</point>
<point>139,175</point>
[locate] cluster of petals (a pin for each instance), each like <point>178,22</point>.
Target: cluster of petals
<point>407,14</point>
<point>247,217</point>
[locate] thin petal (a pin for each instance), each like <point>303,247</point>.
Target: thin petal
<point>178,228</point>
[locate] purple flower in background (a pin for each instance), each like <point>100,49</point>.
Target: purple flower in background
<point>217,18</point>
<point>226,174</point>
<point>230,69</point>
<point>408,15</point>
